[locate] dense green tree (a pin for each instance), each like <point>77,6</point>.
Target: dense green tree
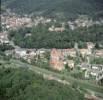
<point>42,38</point>
<point>21,84</point>
<point>4,47</point>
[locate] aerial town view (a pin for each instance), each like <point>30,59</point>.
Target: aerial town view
<point>51,50</point>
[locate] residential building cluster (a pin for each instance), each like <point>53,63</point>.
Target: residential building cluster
<point>37,20</point>
<point>4,38</point>
<point>13,22</point>
<point>83,21</point>
<point>26,54</point>
<point>57,29</point>
<point>95,70</point>
<point>59,58</point>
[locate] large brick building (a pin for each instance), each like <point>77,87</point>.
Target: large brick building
<point>59,58</point>
<point>56,60</point>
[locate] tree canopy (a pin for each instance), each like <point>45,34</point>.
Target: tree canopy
<point>42,38</point>
<point>21,84</point>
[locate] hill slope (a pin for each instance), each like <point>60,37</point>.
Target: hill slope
<point>21,84</point>
<point>61,8</point>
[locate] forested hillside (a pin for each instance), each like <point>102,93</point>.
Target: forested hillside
<point>21,84</point>
<point>56,8</point>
